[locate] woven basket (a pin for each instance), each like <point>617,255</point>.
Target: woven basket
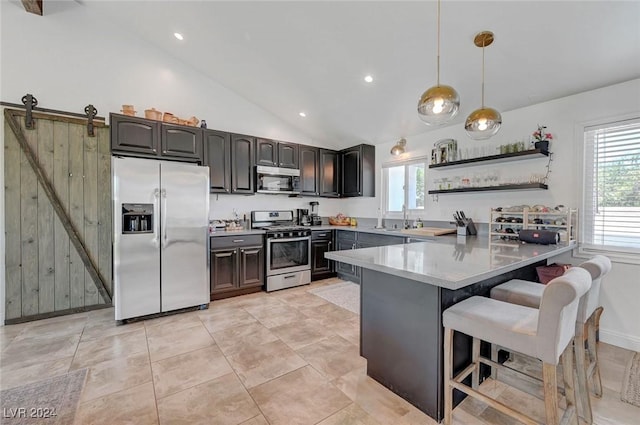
<point>337,222</point>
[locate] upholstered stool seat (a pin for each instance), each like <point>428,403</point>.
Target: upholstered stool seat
<point>526,293</point>
<point>544,333</point>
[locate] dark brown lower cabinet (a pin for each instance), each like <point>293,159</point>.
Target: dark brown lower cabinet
<point>321,242</point>
<point>237,265</point>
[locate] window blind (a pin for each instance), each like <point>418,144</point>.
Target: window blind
<point>611,210</point>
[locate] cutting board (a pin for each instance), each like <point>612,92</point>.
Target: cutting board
<point>429,231</point>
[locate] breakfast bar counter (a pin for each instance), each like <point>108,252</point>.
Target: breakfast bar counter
<point>405,289</point>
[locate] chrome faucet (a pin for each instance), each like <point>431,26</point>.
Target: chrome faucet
<point>405,220</point>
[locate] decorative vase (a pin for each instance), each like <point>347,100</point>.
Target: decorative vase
<point>543,145</point>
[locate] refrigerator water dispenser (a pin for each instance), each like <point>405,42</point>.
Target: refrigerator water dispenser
<point>137,218</point>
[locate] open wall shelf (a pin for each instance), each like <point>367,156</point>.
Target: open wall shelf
<point>515,156</point>
<point>526,186</point>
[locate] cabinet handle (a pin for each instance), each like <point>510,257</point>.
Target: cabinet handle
<point>242,250</point>
<point>290,276</point>
<point>238,240</point>
<point>329,243</point>
<point>353,246</point>
<point>321,235</point>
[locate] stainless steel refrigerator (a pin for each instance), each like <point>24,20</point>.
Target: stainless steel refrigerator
<point>161,218</point>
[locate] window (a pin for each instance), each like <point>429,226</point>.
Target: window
<point>611,201</point>
<point>403,184</point>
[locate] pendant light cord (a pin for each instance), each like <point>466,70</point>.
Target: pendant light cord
<point>483,41</point>
<point>438,60</point>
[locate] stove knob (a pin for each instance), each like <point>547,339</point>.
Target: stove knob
<point>290,234</point>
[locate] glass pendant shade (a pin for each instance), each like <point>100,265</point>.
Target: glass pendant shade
<point>438,105</point>
<point>483,123</point>
<point>399,149</point>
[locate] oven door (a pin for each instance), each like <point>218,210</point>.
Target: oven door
<point>288,255</point>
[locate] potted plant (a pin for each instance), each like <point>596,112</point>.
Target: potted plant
<point>541,138</point>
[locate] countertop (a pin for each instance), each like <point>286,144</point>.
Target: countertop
<point>390,232</point>
<point>219,233</point>
<point>448,262</point>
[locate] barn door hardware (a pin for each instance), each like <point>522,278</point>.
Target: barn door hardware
<point>29,102</point>
<point>91,112</point>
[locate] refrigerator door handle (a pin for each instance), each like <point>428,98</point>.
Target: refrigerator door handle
<point>163,216</point>
<point>156,222</point>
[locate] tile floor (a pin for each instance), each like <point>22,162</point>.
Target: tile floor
<point>284,358</point>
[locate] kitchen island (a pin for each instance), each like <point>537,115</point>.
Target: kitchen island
<point>405,289</point>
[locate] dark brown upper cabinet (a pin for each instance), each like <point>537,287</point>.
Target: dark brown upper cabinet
<point>276,154</point>
<point>309,170</point>
<point>131,135</point>
<point>217,155</point>
<point>180,141</point>
<point>242,165</point>
<point>329,174</point>
<point>266,152</point>
<point>358,171</point>
<point>287,155</point>
<point>146,138</point>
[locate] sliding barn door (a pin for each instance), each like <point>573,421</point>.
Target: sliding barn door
<point>45,273</point>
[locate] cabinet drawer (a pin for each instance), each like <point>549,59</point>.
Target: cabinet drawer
<point>321,235</point>
<point>232,241</point>
<point>346,235</point>
<point>372,239</point>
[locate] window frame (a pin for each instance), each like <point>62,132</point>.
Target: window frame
<point>411,213</point>
<point>621,255</point>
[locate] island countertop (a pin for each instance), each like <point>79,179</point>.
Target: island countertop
<point>449,262</point>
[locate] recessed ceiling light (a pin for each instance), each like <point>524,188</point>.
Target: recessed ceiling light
<point>368,78</point>
<point>302,114</point>
<point>178,36</point>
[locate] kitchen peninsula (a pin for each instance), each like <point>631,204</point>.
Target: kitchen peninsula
<point>405,289</point>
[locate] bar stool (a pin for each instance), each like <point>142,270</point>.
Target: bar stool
<point>526,293</point>
<point>543,333</point>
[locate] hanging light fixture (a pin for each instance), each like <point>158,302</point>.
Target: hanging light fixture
<point>399,149</point>
<point>440,103</point>
<point>485,122</point>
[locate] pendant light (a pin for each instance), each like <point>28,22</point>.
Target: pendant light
<point>485,122</point>
<point>399,149</point>
<point>440,103</point>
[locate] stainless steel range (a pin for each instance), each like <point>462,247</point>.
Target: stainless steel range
<point>288,249</point>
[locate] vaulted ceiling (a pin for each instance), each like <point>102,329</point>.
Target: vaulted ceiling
<point>312,56</point>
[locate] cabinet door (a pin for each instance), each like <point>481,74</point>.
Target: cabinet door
<point>344,267</point>
<point>351,173</point>
<point>224,270</point>
<point>309,175</point>
<point>287,155</point>
<point>134,135</point>
<point>319,264</point>
<point>217,155</point>
<point>251,266</point>
<point>266,152</point>
<point>242,164</point>
<point>329,174</point>
<point>181,142</point>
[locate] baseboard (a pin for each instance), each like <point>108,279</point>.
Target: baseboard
<point>620,340</point>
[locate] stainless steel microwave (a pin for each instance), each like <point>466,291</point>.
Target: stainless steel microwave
<point>277,180</point>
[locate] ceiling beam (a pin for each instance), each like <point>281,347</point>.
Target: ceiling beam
<point>33,6</point>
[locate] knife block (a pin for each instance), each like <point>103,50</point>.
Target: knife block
<point>469,228</point>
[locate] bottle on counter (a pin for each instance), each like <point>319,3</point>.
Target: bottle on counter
<point>419,224</point>
<point>353,221</point>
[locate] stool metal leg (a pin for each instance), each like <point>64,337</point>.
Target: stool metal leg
<point>569,386</point>
<point>549,378</point>
<point>593,326</point>
<point>581,372</point>
<point>448,375</point>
